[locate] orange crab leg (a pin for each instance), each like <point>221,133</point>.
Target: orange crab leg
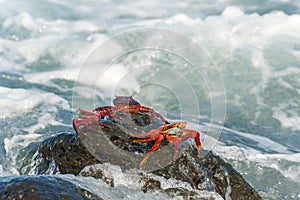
<point>76,124</point>
<point>85,113</point>
<point>186,135</point>
<point>90,116</point>
<point>152,133</point>
<point>153,113</point>
<point>145,140</point>
<point>175,141</point>
<point>154,148</point>
<point>167,127</point>
<point>193,134</point>
<point>163,128</point>
<point>105,111</point>
<point>86,122</point>
<point>82,122</point>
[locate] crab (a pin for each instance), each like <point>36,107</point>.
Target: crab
<point>175,133</point>
<point>120,104</point>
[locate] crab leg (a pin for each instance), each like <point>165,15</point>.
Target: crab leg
<point>153,113</point>
<point>167,127</point>
<point>86,122</point>
<point>76,124</point>
<point>175,141</point>
<point>85,113</point>
<point>144,140</point>
<point>105,111</point>
<point>154,148</point>
<point>193,134</point>
<point>82,122</point>
<point>163,128</point>
<point>93,117</point>
<point>185,135</point>
<point>152,133</point>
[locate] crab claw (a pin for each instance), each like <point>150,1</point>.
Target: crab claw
<point>196,135</point>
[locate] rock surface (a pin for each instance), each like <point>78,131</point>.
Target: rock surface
<point>68,154</point>
<point>41,187</point>
<point>63,153</point>
<point>147,182</point>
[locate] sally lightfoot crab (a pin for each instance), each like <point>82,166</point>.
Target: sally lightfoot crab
<point>175,133</point>
<point>120,104</point>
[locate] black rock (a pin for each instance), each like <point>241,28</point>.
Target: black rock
<point>41,187</point>
<point>146,182</point>
<point>209,173</point>
<point>61,154</point>
<point>68,153</point>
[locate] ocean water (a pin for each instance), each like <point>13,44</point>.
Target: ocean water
<point>247,90</point>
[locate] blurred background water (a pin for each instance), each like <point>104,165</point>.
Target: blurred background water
<point>254,44</point>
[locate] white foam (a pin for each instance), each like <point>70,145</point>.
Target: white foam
<point>232,12</point>
<point>12,147</point>
<point>50,27</point>
<point>292,122</point>
<point>39,37</point>
<point>8,171</point>
<point>183,19</point>
<point>69,74</point>
<point>263,142</point>
<point>274,161</point>
<point>20,101</point>
<point>284,162</point>
<point>22,20</point>
<point>135,180</point>
<point>289,157</point>
<point>19,104</point>
<point>112,80</point>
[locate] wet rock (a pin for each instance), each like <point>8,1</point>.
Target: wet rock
<point>61,154</point>
<point>41,187</point>
<point>188,175</point>
<point>226,180</point>
<point>24,159</point>
<point>209,173</point>
<point>146,182</point>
